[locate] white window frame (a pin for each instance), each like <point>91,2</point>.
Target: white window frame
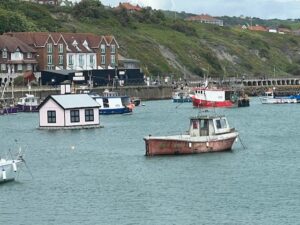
<point>19,67</point>
<point>4,54</point>
<point>49,59</point>
<point>3,67</point>
<point>81,60</point>
<point>71,60</point>
<point>103,48</point>
<point>29,55</point>
<point>113,59</point>
<point>49,48</point>
<point>29,67</point>
<point>60,59</point>
<point>113,48</point>
<point>60,48</point>
<point>103,59</point>
<point>92,60</point>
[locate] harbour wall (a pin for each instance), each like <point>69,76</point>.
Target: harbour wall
<point>146,92</point>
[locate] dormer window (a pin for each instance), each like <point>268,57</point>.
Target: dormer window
<point>75,43</point>
<point>86,45</point>
<point>4,54</point>
<point>113,48</point>
<point>49,48</point>
<point>29,55</point>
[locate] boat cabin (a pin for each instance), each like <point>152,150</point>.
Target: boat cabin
<point>71,111</point>
<point>208,126</point>
<point>215,94</point>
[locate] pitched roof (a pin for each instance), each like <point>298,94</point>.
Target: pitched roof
<point>39,39</point>
<point>73,101</point>
<point>257,28</point>
<point>128,6</point>
<point>12,43</point>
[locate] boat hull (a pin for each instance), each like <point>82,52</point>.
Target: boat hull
<point>27,108</point>
<point>8,110</point>
<point>10,174</point>
<point>265,100</point>
<point>175,146</point>
<point>182,100</point>
<point>115,111</point>
<point>207,104</point>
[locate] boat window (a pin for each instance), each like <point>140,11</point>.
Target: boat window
<point>221,123</point>
<point>203,124</point>
<point>195,124</point>
<point>105,103</point>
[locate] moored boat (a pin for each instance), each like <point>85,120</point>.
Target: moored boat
<point>181,95</point>
<point>112,103</point>
<point>9,168</point>
<point>29,103</point>
<point>270,98</point>
<point>214,97</point>
<point>207,133</point>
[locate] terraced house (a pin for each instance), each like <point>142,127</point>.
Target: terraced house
<point>16,57</point>
<point>71,51</point>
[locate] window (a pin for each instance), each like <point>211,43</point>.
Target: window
<point>81,61</point>
<point>49,59</point>
<point>61,59</point>
<point>92,60</point>
<point>3,67</point>
<point>60,48</point>
<point>4,54</point>
<point>113,59</point>
<point>113,48</point>
<point>74,116</point>
<point>71,60</point>
<point>103,59</point>
<point>29,67</point>
<point>51,116</point>
<point>89,115</point>
<point>221,123</point>
<point>29,55</point>
<point>195,124</point>
<point>20,67</point>
<point>49,47</point>
<point>102,48</point>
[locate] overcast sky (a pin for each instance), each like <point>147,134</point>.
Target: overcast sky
<point>265,9</point>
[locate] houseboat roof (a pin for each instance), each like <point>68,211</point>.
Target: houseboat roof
<point>72,101</point>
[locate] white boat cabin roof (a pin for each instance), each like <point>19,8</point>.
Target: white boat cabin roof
<point>71,101</point>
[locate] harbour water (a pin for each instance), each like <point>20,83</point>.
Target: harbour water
<point>101,176</point>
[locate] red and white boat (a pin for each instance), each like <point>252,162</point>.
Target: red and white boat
<point>214,97</point>
<point>207,133</point>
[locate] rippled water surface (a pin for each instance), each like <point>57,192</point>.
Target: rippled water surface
<point>101,176</point>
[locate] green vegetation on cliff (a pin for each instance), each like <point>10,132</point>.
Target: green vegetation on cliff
<point>165,44</point>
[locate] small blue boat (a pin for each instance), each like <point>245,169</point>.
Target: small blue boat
<point>181,95</point>
<point>111,103</point>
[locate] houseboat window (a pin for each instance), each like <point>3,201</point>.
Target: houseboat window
<point>195,124</point>
<point>74,116</point>
<point>221,124</point>
<point>89,115</point>
<point>203,124</point>
<point>51,116</point>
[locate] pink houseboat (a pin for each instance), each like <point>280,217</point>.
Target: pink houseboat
<point>207,133</point>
